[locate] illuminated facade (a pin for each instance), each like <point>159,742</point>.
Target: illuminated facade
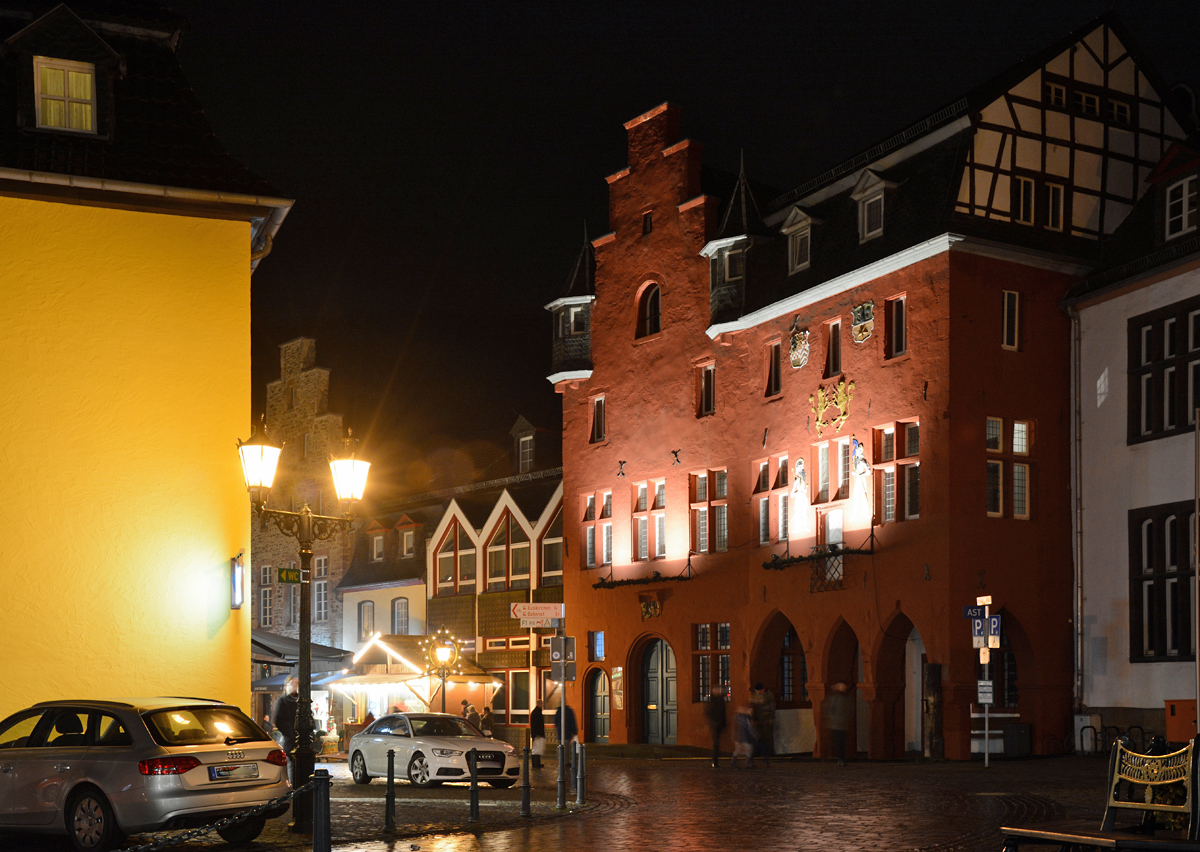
<point>799,440</point>
<point>127,245</point>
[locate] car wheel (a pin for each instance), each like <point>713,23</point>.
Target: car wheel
<point>420,773</point>
<point>358,769</point>
<point>503,785</point>
<point>91,825</point>
<point>243,832</point>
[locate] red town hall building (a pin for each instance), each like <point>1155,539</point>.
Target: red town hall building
<point>799,438</point>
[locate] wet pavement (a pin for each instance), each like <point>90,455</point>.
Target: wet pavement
<point>684,804</point>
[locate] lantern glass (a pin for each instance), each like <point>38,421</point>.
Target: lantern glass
<point>259,461</point>
<point>349,477</point>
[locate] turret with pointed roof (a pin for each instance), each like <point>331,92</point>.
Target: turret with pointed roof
<point>572,348</point>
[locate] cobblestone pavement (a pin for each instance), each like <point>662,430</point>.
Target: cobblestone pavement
<point>686,805</point>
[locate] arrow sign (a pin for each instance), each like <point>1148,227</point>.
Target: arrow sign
<point>537,610</point>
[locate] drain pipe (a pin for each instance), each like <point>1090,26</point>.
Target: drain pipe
<point>1077,487</point>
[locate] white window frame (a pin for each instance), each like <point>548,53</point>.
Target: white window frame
<point>1147,546</point>
<point>1147,401</point>
<point>865,231</point>
<point>708,390</point>
<point>823,473</point>
<point>400,616</point>
<point>781,472</point>
<point>1055,193</point>
<point>576,324</point>
<point>889,495</point>
<point>607,541</point>
<point>1171,590</point>
<point>700,545</point>
<point>764,476</point>
<point>660,536</point>
<point>67,67</point>
<point>1169,337</point>
<point>525,451</point>
<point>599,425</point>
<point>590,542</point>
<point>1147,611</point>
<point>1023,202</point>
<point>643,497</point>
<point>366,620</point>
<point>1020,485</point>
<point>799,249</point>
<point>643,537</point>
<point>495,644</point>
<point>660,495</point>
<point>1010,301</point>
<point>730,273</point>
<point>1056,95</point>
<point>998,511</point>
<point>896,310</point>
<point>1021,445</point>
<point>764,521</point>
<point>377,548</point>
<point>720,484</point>
<point>320,601</point>
<point>1170,557</point>
<point>1168,398</point>
<point>998,422</point>
<point>265,578</point>
<point>408,544</point>
<point>833,348</point>
<point>783,517</point>
<point>911,470</point>
<point>1183,194</point>
<point>266,605</point>
<point>720,528</point>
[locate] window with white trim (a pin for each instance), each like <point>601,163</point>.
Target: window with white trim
<point>456,561</point>
<point>833,348</point>
<point>525,451</point>
<point>764,521</point>
<point>774,368</point>
<point>65,94</point>
<point>707,402</point>
<point>266,602</point>
<point>708,491</point>
<point>870,217</point>
<point>366,620</point>
<point>1010,327</point>
<point>1181,207</point>
<point>1054,207</point>
<point>320,588</point>
<point>265,577</point>
<point>598,423</point>
<point>735,264</point>
<point>376,548</point>
<point>399,616</point>
<point>552,553</point>
<point>896,331</point>
<point>1022,200</point>
<point>1164,371</point>
<point>408,543</point>
<point>1162,585</point>
<point>799,249</point>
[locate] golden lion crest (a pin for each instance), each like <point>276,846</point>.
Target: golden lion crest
<point>835,397</point>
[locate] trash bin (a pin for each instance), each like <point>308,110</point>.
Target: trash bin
<point>1018,739</point>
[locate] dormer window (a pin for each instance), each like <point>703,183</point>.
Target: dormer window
<point>870,217</point>
<point>66,94</point>
<point>575,320</point>
<point>1181,207</point>
<point>735,264</point>
<point>869,195</point>
<point>798,230</point>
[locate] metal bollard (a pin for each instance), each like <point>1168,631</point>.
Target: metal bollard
<point>581,776</point>
<point>473,765</point>
<point>574,763</point>
<point>525,809</point>
<point>562,777</point>
<point>322,841</point>
<point>389,808</point>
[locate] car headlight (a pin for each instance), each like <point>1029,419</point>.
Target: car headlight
<point>509,750</point>
<point>446,752</point>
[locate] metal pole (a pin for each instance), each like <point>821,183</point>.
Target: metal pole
<point>473,765</point>
<point>322,840</point>
<point>562,773</point>
<point>305,758</point>
<point>443,674</point>
<point>580,775</point>
<point>525,809</point>
<point>389,809</point>
<point>987,737</point>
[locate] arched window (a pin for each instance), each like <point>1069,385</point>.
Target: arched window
<point>400,616</point>
<point>649,312</point>
<point>366,620</point>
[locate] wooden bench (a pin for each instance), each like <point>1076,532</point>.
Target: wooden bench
<point>1137,785</point>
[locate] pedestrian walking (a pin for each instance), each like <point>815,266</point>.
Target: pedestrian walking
<point>486,721</point>
<point>537,734</point>
<point>762,704</point>
<point>714,714</point>
<point>471,714</point>
<point>837,715</point>
<point>568,731</point>
<point>743,737</point>
<point>283,717</point>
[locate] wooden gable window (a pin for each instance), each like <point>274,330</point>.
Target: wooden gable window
<point>65,94</point>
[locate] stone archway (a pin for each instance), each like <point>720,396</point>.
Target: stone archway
<point>894,694</point>
<point>778,661</point>
<point>843,659</point>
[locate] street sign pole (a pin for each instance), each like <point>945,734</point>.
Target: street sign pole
<point>985,657</point>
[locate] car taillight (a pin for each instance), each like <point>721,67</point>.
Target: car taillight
<point>168,765</point>
<point>277,757</point>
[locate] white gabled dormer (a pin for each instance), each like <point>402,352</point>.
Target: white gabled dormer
<point>869,194</point>
<point>798,230</point>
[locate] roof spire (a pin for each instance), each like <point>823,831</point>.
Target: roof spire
<point>742,217</point>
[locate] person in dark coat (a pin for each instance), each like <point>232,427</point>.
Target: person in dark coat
<point>283,717</point>
<point>762,706</point>
<point>838,707</point>
<point>537,734</point>
<point>714,714</point>
<point>568,730</point>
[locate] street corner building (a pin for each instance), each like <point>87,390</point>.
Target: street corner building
<point>804,430</point>
<point>127,242</point>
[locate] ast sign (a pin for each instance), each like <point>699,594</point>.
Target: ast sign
<point>537,610</point>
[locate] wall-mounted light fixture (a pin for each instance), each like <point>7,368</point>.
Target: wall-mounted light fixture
<point>237,581</point>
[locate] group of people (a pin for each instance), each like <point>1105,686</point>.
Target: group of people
<point>753,726</point>
<point>484,721</point>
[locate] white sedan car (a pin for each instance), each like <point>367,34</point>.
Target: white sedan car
<point>430,748</point>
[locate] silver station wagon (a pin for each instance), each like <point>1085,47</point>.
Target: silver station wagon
<point>430,748</point>
<point>99,770</point>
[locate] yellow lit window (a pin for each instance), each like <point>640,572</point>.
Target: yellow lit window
<point>66,94</point>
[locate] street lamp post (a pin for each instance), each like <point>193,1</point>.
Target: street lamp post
<point>259,458</point>
<point>443,655</point>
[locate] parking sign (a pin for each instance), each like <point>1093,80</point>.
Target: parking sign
<point>978,634</point>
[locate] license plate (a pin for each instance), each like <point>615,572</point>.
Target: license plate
<point>233,772</point>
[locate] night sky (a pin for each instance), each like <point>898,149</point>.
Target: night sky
<point>444,157</point>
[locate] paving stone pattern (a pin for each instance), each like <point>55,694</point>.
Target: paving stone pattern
<point>686,805</point>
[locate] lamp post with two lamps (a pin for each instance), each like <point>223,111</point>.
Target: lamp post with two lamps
<point>260,456</point>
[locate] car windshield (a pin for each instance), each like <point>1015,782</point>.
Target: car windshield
<point>441,726</point>
<point>202,726</point>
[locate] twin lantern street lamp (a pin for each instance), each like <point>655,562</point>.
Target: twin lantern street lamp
<point>260,455</point>
<point>442,653</point>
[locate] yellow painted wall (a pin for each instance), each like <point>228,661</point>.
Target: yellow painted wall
<point>124,381</point>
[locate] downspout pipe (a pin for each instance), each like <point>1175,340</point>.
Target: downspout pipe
<point>1077,494</point>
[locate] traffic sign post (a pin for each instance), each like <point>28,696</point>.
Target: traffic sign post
<point>562,659</point>
<point>537,610</point>
<point>985,635</point>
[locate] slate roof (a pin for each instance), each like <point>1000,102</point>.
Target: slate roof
<point>742,217</point>
<point>159,133</point>
<point>582,280</point>
<point>1135,248</point>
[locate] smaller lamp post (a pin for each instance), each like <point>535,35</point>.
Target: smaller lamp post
<point>260,455</point>
<point>442,653</point>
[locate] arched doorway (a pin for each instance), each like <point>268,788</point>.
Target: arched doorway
<point>779,663</point>
<point>660,719</point>
<point>844,665</point>
<point>598,698</point>
<point>897,705</point>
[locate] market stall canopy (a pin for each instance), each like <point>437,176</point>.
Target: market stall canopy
<point>405,657</point>
<point>284,650</point>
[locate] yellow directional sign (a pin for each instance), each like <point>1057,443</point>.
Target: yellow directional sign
<point>289,575</point>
